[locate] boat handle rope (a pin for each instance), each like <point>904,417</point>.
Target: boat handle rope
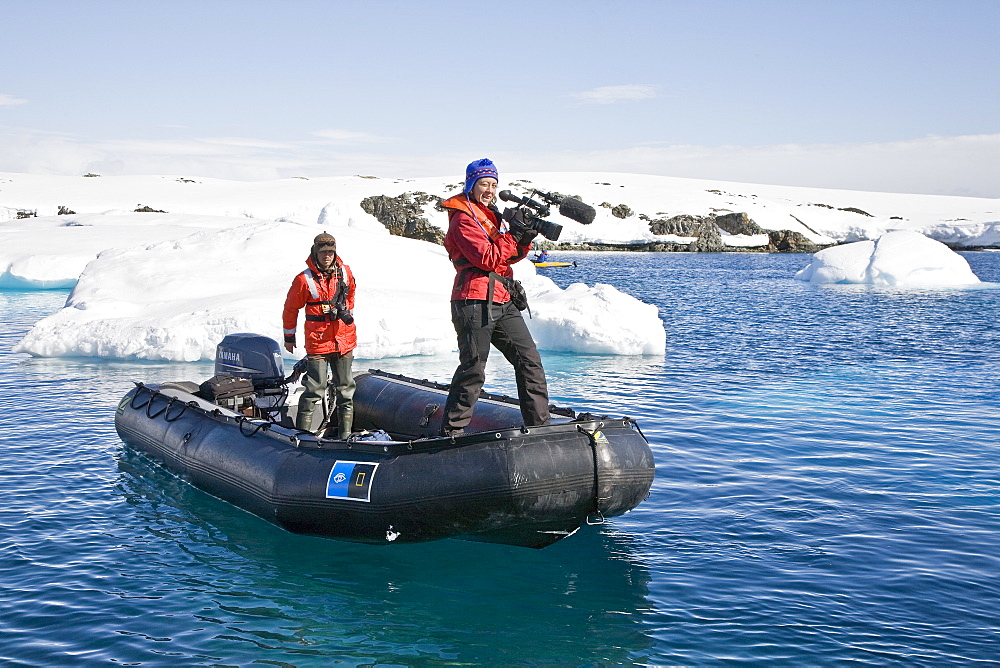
<point>184,407</point>
<point>636,425</point>
<point>596,514</point>
<point>258,426</point>
<point>139,387</point>
<point>165,411</point>
<point>149,405</point>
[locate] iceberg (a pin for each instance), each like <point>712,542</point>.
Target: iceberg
<point>902,259</point>
<point>175,299</point>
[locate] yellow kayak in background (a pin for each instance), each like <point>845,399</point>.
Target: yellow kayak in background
<point>554,264</point>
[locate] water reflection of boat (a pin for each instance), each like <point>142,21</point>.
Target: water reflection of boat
<point>500,482</point>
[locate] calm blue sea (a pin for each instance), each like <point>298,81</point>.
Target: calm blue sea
<point>827,493</point>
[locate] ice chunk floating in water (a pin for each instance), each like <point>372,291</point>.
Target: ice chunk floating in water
<point>175,299</point>
<point>903,259</point>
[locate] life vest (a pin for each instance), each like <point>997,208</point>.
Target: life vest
<point>487,217</point>
<point>322,296</point>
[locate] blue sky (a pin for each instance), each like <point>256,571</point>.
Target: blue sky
<point>895,96</point>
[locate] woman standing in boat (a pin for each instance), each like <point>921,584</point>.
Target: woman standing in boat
<point>326,290</point>
<point>483,248</point>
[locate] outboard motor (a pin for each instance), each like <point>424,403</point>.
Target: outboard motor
<point>256,359</point>
<point>251,356</point>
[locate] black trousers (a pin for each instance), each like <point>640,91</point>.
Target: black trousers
<point>507,331</point>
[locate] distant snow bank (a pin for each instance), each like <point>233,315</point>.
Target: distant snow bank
<point>902,259</point>
<point>965,234</point>
<point>822,215</point>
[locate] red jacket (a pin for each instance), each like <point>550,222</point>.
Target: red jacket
<point>476,241</point>
<point>313,289</point>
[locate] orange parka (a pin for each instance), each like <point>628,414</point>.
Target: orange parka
<point>317,292</point>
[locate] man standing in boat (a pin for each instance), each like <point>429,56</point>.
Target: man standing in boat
<point>326,291</point>
<point>483,247</point>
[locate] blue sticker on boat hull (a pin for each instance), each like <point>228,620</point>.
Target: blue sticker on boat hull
<point>351,481</point>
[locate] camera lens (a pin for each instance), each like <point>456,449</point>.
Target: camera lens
<point>548,229</point>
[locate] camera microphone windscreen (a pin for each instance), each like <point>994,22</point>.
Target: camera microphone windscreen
<point>576,210</point>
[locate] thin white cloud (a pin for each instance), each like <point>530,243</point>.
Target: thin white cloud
<point>963,165</point>
<point>10,100</point>
<point>348,137</point>
<point>616,94</point>
<point>243,142</point>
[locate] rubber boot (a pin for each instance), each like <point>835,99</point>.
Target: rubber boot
<point>304,418</point>
<point>345,420</point>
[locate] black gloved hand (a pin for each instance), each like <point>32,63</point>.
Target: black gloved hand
<point>526,236</point>
<point>522,234</point>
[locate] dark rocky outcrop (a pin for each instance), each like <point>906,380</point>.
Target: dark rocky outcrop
<point>856,210</point>
<point>147,209</point>
<point>705,229</point>
<point>621,211</point>
<point>682,226</point>
<point>709,239</point>
<point>787,241</point>
<point>708,232</point>
<point>738,223</point>
<point>403,215</point>
<point>644,246</point>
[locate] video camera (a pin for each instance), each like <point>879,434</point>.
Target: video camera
<point>530,214</point>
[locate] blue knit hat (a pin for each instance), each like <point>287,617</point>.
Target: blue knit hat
<point>479,169</point>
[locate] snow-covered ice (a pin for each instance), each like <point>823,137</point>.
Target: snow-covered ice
<point>901,259</point>
<point>176,299</point>
<point>170,286</point>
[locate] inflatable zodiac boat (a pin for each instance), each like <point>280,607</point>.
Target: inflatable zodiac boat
<point>395,482</point>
